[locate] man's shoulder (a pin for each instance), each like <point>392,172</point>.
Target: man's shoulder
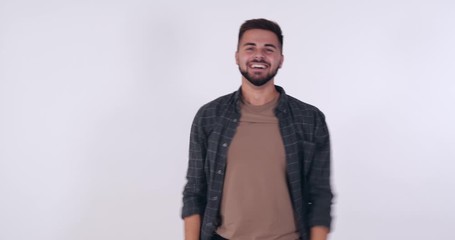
<point>300,106</point>
<point>214,107</point>
<point>219,101</point>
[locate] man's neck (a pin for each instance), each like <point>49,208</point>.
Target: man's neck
<point>255,95</point>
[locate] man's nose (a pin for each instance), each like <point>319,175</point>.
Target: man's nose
<point>258,55</point>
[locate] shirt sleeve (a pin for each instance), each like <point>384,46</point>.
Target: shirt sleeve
<point>319,178</point>
<point>195,190</point>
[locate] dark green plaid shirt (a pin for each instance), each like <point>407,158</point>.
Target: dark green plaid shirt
<point>307,145</point>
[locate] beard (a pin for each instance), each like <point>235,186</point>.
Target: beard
<point>258,81</point>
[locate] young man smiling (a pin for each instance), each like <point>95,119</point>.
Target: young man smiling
<point>259,163</point>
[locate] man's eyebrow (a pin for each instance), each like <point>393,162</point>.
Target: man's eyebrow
<point>270,45</point>
<point>254,44</point>
<point>249,44</point>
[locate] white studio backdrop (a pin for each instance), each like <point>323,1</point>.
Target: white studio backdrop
<point>97,99</point>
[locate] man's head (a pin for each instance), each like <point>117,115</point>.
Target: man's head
<point>259,51</point>
<point>263,24</point>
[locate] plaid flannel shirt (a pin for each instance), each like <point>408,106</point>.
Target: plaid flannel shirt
<point>307,146</point>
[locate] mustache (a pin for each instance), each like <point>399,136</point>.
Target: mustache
<point>259,61</point>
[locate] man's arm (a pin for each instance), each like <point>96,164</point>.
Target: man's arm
<point>192,227</point>
<point>320,194</point>
<point>195,191</point>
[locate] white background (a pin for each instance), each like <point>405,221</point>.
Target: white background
<point>97,99</point>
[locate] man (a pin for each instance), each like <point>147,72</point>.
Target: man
<point>259,163</point>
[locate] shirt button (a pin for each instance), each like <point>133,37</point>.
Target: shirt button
<point>215,198</point>
<point>224,144</point>
<point>219,172</point>
<point>234,120</point>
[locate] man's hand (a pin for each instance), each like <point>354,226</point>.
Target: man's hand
<point>319,233</point>
<point>192,227</point>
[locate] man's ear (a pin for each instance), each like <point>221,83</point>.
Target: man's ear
<point>281,61</point>
<point>237,57</point>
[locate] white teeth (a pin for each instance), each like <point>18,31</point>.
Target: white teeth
<point>258,66</point>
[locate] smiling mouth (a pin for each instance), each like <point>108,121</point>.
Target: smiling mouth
<point>258,66</point>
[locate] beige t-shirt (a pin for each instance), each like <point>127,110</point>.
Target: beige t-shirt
<point>256,204</point>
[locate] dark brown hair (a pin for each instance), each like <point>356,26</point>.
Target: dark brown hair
<point>264,24</point>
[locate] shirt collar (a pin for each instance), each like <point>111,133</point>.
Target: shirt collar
<point>282,101</point>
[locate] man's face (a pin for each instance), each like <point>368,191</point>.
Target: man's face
<point>259,56</point>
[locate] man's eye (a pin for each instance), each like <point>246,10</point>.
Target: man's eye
<point>270,50</point>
